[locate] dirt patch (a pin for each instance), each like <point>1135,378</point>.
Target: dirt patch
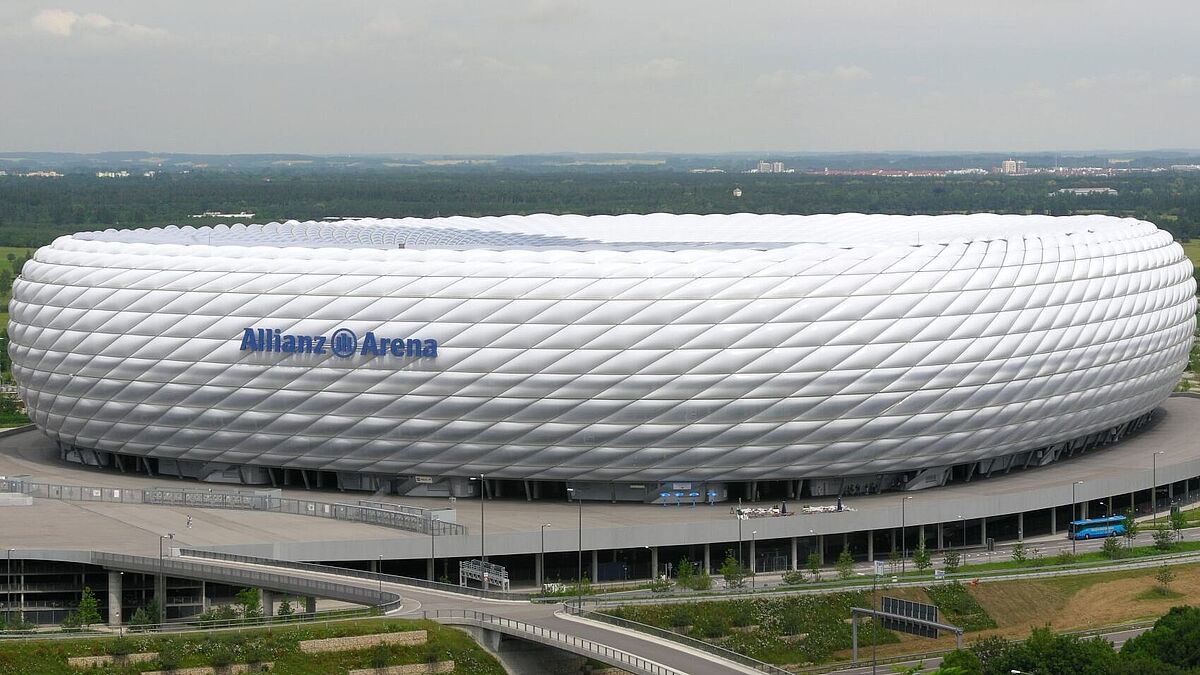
<point>1116,601</point>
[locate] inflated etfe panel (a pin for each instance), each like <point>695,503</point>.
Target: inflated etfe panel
<point>602,348</point>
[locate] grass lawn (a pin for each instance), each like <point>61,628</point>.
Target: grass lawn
<point>279,644</point>
<point>1192,250</point>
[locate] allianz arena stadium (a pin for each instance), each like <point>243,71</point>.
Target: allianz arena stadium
<point>641,357</point>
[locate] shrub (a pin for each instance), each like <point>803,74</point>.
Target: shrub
<point>844,564</point>
<point>1164,577</point>
<point>120,647</point>
<point>702,582</point>
<point>959,607</point>
<point>221,656</point>
<point>1064,557</point>
<point>950,561</point>
<point>660,585</point>
<point>380,656</point>
<point>1164,538</point>
<point>170,654</point>
<point>1018,553</point>
<point>711,625</point>
<point>1112,549</point>
<point>921,557</point>
<point>793,577</point>
<point>681,616</point>
<point>733,572</point>
<point>685,573</point>
<point>814,565</point>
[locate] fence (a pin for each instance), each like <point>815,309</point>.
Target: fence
<point>576,609</point>
<point>289,583</point>
<point>617,657</point>
<point>204,499</point>
<point>360,574</point>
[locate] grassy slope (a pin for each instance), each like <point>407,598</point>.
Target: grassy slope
<point>49,658</point>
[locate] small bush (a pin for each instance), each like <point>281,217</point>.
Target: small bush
<point>681,615</point>
<point>793,577</point>
<point>702,582</point>
<point>711,625</point>
<point>170,654</point>
<point>660,585</point>
<point>380,656</point>
<point>1064,557</point>
<point>1113,549</point>
<point>120,647</point>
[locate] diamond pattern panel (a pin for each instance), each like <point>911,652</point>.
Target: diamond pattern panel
<point>607,348</point>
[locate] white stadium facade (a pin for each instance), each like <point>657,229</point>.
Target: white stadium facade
<point>652,358</point>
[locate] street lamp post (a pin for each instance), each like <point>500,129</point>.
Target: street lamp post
<point>8,587</point>
<point>1154,485</point>
<point>738,513</point>
<point>903,540</point>
<point>162,579</point>
<point>1078,482</point>
<point>579,572</point>
<point>753,558</point>
<point>542,576</point>
<point>432,548</point>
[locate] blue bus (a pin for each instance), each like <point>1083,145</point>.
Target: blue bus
<point>1097,528</point>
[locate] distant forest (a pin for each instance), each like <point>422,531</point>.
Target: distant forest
<point>33,211</point>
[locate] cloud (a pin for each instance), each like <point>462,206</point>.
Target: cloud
<point>1183,82</point>
<point>66,23</point>
<point>657,69</point>
<point>786,79</point>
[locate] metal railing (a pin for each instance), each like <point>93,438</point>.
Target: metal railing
<point>360,574</point>
<point>761,666</point>
<point>288,583</point>
<point>190,497</point>
<point>590,648</point>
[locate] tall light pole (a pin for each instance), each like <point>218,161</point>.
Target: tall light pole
<point>579,573</point>
<point>1078,482</point>
<point>432,548</point>
<point>738,513</point>
<point>1154,484</point>
<point>482,532</point>
<point>8,595</point>
<point>753,558</point>
<point>903,540</point>
<point>162,579</point>
<point>542,577</point>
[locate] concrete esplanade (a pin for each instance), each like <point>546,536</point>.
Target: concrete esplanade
<point>621,540</point>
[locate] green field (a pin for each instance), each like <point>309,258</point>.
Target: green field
<point>1192,250</point>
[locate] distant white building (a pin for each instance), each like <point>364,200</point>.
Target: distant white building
<point>1087,191</point>
<point>218,214</point>
<point>1013,167</point>
<point>771,167</point>
<point>737,192</point>
<point>112,174</point>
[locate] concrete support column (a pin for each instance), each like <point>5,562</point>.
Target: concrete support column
<point>1132,501</point>
<point>430,570</point>
<point>1053,520</point>
<point>653,562</point>
<point>983,531</point>
<point>1084,512</point>
<point>268,602</point>
<point>707,559</point>
<point>941,537</point>
<point>821,548</point>
<point>753,558</point>
<point>374,566</point>
<point>1170,492</point>
<point>539,569</point>
<point>795,550</point>
<point>595,566</point>
<point>1021,526</point>
<point>310,605</point>
<point>870,545</point>
<point>894,547</point>
<point>114,598</point>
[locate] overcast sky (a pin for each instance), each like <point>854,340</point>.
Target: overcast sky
<point>515,76</point>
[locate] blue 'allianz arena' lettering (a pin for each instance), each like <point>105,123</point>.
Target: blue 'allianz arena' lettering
<point>343,343</point>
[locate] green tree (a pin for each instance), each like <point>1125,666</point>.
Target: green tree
<point>1131,527</point>
<point>950,561</point>
<point>1174,640</point>
<point>921,557</point>
<point>1178,523</point>
<point>685,573</point>
<point>844,564</point>
<point>814,565</point>
<point>1164,537</point>
<point>1164,577</point>
<point>89,610</point>
<point>285,607</point>
<point>732,571</point>
<point>1019,555</point>
<point>248,599</point>
<point>964,660</point>
<point>1112,548</point>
